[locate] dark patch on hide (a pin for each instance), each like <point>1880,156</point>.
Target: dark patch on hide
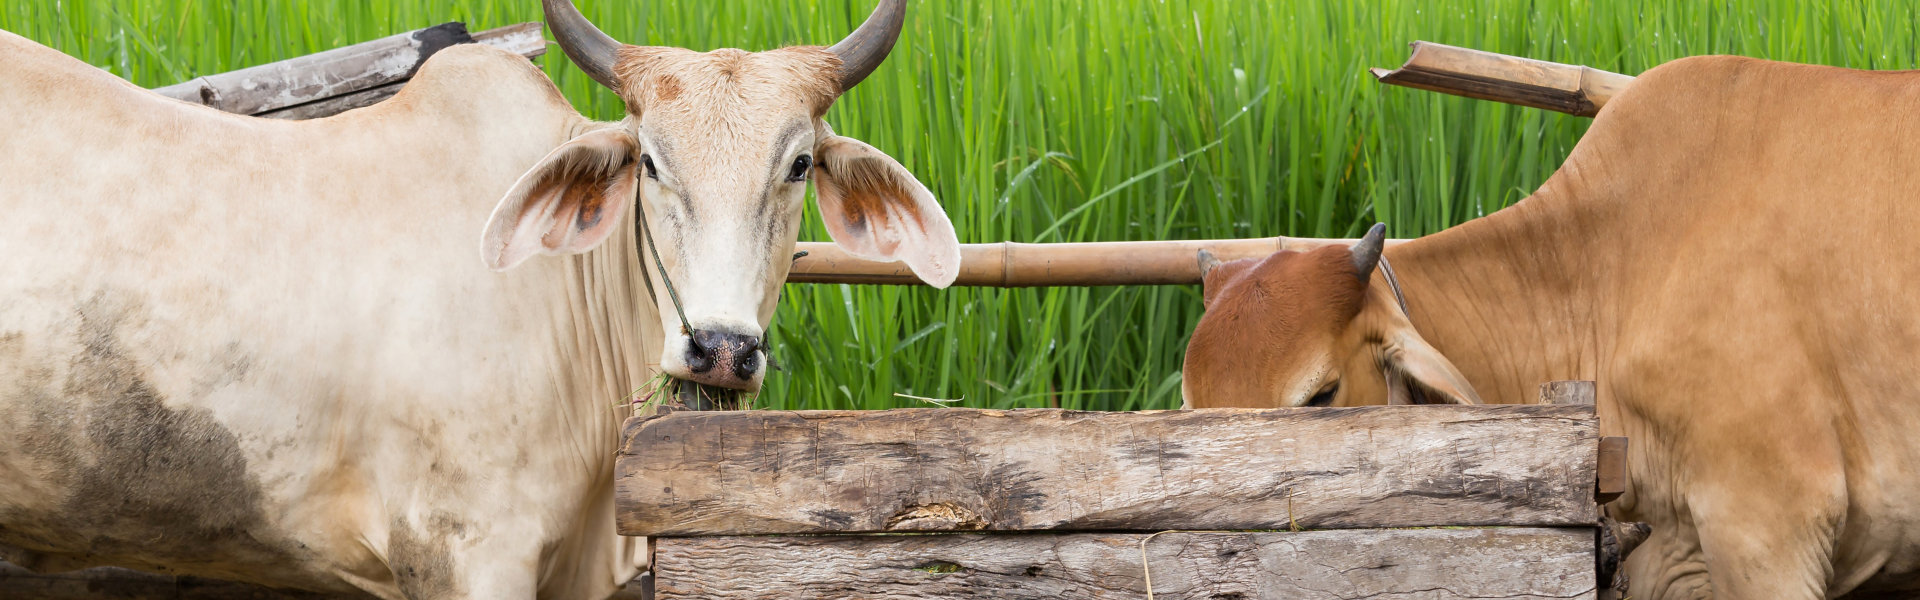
<point>437,38</point>
<point>144,484</point>
<point>420,558</point>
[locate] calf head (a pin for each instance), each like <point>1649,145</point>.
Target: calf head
<point>716,152</point>
<point>1309,328</point>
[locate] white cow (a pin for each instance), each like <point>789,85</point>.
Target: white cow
<point>269,351</point>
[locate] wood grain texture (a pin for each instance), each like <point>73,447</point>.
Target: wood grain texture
<point>765,472</point>
<point>1427,564</point>
<point>1580,393</point>
<point>1571,89</point>
<point>330,82</point>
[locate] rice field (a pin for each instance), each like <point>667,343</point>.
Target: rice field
<point>1078,120</point>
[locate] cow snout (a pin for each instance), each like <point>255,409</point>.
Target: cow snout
<point>720,354</point>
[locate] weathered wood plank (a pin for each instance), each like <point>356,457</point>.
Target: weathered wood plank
<point>1610,475</point>
<point>759,472</point>
<point>1406,563</point>
<point>343,78</point>
<point>1574,90</point>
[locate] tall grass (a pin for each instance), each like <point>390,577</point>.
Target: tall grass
<point>1079,120</point>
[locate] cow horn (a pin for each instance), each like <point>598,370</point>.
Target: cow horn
<point>1366,253</point>
<point>1208,262</point>
<point>864,49</point>
<point>592,50</point>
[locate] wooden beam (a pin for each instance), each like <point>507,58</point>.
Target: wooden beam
<point>774,472</point>
<point>1570,89</point>
<point>323,84</point>
<point>1405,563</point>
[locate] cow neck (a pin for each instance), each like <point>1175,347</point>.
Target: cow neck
<point>612,325</point>
<point>1508,298</point>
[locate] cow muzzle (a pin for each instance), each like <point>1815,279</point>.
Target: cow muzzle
<point>719,357</point>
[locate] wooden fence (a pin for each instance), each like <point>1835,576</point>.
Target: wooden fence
<point>1451,502</point>
<point>933,503</point>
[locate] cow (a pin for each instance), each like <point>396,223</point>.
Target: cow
<point>387,352</point>
<point>1726,253</point>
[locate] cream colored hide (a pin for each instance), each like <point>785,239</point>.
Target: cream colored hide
<point>1728,252</point>
<point>268,351</point>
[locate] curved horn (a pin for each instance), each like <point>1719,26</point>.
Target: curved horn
<point>1366,253</point>
<point>592,50</point>
<point>864,49</point>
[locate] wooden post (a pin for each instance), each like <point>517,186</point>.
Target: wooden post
<point>1575,90</point>
<point>1567,393</point>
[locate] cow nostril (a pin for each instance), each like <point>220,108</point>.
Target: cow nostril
<point>698,360</point>
<point>749,361</point>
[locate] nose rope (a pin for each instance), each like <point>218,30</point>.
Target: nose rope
<point>646,234</point>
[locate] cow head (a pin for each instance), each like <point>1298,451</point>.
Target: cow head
<point>716,151</point>
<point>1307,328</point>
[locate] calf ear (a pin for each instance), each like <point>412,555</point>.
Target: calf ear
<point>1419,374</point>
<point>567,203</point>
<point>875,209</point>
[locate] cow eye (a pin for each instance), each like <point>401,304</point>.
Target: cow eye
<point>1325,397</point>
<point>800,168</point>
<point>647,161</point>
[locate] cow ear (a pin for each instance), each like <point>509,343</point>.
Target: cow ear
<point>1417,373</point>
<point>567,203</point>
<point>875,209</point>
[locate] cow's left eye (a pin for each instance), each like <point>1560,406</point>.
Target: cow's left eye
<point>1325,397</point>
<point>800,168</point>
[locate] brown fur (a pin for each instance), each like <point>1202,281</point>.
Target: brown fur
<point>1729,254</point>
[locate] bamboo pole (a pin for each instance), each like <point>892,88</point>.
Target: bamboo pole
<point>1571,89</point>
<point>1013,264</point>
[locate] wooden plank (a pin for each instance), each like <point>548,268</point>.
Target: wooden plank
<point>1575,90</point>
<point>343,78</point>
<point>1575,393</point>
<point>765,472</point>
<point>1406,563</point>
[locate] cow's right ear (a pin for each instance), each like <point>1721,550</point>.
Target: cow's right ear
<point>1412,362</point>
<point>567,203</point>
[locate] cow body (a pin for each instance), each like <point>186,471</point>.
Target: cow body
<point>1727,252</point>
<point>267,351</point>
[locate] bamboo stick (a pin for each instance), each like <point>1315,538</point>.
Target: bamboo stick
<point>1571,89</point>
<point>1013,264</point>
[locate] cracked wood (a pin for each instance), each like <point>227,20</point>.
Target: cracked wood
<point>1428,564</point>
<point>771,472</point>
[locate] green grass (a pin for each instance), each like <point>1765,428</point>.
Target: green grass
<point>1079,120</point>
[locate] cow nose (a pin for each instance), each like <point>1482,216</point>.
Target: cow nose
<point>729,352</point>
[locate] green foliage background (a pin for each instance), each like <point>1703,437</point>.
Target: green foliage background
<point>1078,120</point>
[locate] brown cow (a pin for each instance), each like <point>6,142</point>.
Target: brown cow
<point>1726,253</point>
